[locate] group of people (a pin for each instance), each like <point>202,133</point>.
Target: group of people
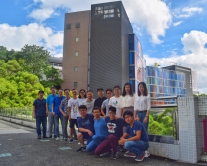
<point>106,125</point>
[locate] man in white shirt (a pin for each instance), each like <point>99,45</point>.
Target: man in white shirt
<point>89,102</point>
<point>115,99</point>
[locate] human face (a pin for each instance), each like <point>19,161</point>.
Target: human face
<point>74,93</point>
<point>117,91</point>
<point>83,112</point>
<point>41,95</point>
<point>89,95</point>
<point>128,119</point>
<point>141,89</point>
<point>53,91</point>
<point>60,93</point>
<point>100,93</point>
<point>127,89</point>
<point>82,93</point>
<point>96,113</point>
<point>112,115</point>
<point>67,93</point>
<point>109,94</point>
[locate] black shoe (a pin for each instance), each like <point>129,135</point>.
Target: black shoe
<point>82,149</point>
<point>71,141</point>
<point>50,136</point>
<point>115,156</point>
<point>76,139</point>
<point>39,137</point>
<point>121,149</point>
<point>44,137</point>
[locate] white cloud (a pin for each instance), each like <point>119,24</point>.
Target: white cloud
<point>195,57</point>
<point>15,38</point>
<point>177,23</point>
<point>152,15</point>
<point>187,12</point>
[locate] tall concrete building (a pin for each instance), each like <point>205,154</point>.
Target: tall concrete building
<point>96,47</point>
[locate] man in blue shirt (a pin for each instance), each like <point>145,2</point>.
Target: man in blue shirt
<point>135,139</point>
<point>56,112</point>
<point>49,103</point>
<point>100,127</point>
<point>39,113</point>
<point>85,127</point>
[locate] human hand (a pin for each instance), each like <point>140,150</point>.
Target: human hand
<point>90,133</point>
<point>137,118</point>
<point>145,120</point>
<point>53,113</point>
<point>34,116</point>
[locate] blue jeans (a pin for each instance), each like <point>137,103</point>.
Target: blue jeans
<point>136,147</point>
<point>57,117</point>
<point>96,140</point>
<point>51,124</point>
<point>65,126</point>
<point>41,120</point>
<point>141,116</point>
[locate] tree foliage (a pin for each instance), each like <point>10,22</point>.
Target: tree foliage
<point>18,88</point>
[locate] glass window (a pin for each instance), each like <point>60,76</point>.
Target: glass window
<point>75,68</point>
<point>75,84</point>
<point>68,26</point>
<point>76,53</point>
<point>76,39</point>
<point>77,25</point>
<point>131,58</point>
<point>131,72</point>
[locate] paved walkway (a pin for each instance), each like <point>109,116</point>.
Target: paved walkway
<point>19,147</point>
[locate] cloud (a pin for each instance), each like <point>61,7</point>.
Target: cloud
<point>195,56</point>
<point>14,37</point>
<point>187,12</point>
<point>177,23</point>
<point>153,16</point>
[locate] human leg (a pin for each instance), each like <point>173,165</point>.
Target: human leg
<point>141,116</point>
<point>50,122</point>
<point>136,147</point>
<point>113,142</point>
<point>38,130</point>
<point>103,147</point>
<point>57,126</point>
<point>44,122</point>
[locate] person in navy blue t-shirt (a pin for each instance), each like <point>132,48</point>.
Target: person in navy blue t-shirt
<point>115,131</point>
<point>56,112</point>
<point>135,139</point>
<point>40,113</point>
<point>85,127</point>
<point>100,128</point>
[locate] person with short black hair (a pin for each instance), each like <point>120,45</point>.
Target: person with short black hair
<point>105,104</point>
<point>89,102</point>
<point>98,102</point>
<point>72,113</point>
<point>40,113</point>
<point>114,101</point>
<point>100,130</point>
<point>115,131</point>
<point>135,139</point>
<point>85,127</point>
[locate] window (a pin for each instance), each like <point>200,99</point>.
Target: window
<point>75,84</point>
<point>68,26</point>
<point>75,68</point>
<point>77,25</point>
<point>76,39</point>
<point>76,53</point>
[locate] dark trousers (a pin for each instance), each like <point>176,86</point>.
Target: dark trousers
<point>110,143</point>
<point>41,120</point>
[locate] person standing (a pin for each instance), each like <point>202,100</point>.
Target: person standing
<point>40,113</point>
<point>89,102</point>
<point>105,104</point>
<point>56,112</point>
<point>115,100</point>
<point>64,111</point>
<point>81,98</point>
<point>98,102</point>
<point>51,118</point>
<point>126,101</point>
<point>72,112</point>
<point>142,106</point>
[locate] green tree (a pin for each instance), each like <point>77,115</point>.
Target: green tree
<point>6,55</point>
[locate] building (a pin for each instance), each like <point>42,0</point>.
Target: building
<point>194,82</point>
<point>96,47</point>
<point>57,63</point>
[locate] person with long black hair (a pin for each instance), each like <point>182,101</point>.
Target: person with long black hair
<point>142,106</point>
<point>81,98</point>
<point>126,101</point>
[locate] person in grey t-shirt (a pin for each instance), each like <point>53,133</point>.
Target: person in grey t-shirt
<point>105,104</point>
<point>89,102</point>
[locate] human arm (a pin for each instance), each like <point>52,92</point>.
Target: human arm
<point>69,113</point>
<point>135,138</point>
<point>53,113</point>
<point>85,131</point>
<point>121,112</point>
<point>61,110</point>
<point>148,110</point>
<point>34,112</point>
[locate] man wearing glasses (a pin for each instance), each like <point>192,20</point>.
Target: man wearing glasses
<point>105,104</point>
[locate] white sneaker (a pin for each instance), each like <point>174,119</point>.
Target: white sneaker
<point>58,138</point>
<point>85,142</point>
<point>147,153</point>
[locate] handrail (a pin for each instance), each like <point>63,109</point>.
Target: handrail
<point>164,97</point>
<point>164,106</point>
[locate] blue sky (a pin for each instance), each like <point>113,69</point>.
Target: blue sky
<point>170,31</point>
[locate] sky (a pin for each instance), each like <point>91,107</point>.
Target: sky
<point>170,31</point>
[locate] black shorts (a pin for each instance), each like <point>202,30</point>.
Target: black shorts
<point>73,122</point>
